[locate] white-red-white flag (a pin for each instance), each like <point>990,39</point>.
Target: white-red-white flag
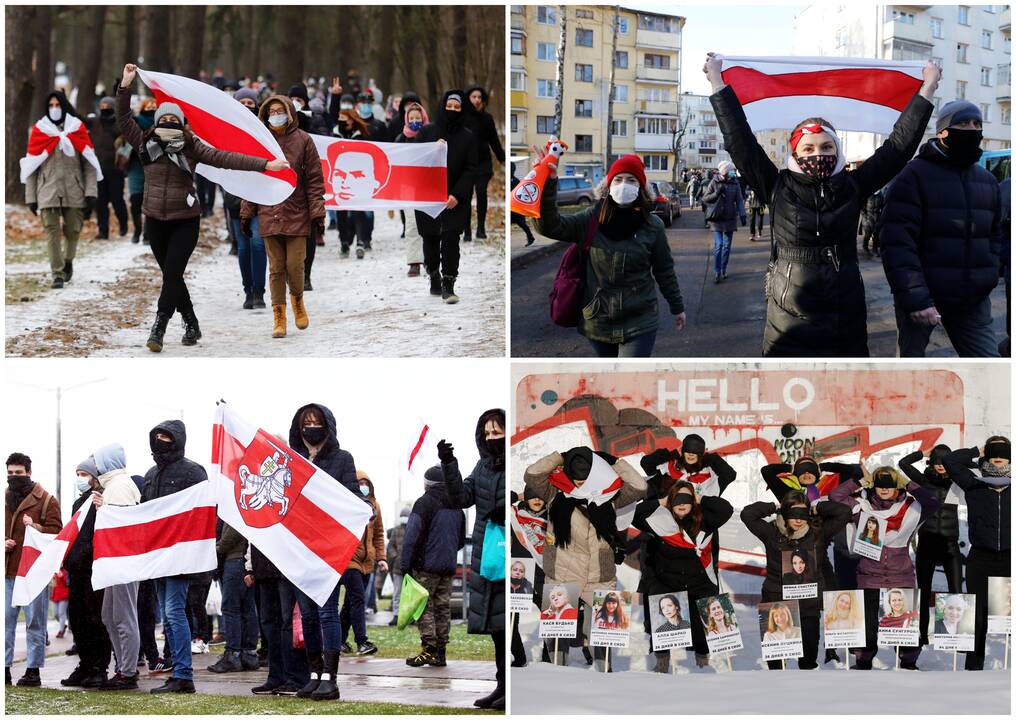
<point>225,124</point>
<point>42,555</point>
<point>47,138</point>
<point>863,94</point>
<point>362,175</point>
<point>422,449</point>
<point>293,512</point>
<point>171,535</point>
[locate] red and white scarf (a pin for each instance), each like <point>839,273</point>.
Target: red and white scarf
<point>663,524</point>
<point>902,519</point>
<point>530,530</point>
<point>46,137</point>
<point>705,481</point>
<point>600,487</point>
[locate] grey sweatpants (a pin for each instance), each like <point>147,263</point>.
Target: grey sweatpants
<point>120,616</point>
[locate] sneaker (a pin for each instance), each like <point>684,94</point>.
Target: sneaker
<point>198,647</point>
<point>121,682</point>
<point>424,657</point>
<point>359,253</point>
<point>58,282</point>
<point>95,679</point>
<point>159,666</point>
<point>347,649</point>
<point>218,639</point>
<point>267,689</point>
<point>366,648</point>
<point>174,685</point>
<point>287,689</point>
<point>75,678</point>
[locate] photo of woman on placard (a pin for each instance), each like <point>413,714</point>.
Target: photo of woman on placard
<point>956,618</point>
<point>610,616</point>
<point>781,625</point>
<point>1000,596</point>
<point>845,613</point>
<point>869,533</point>
<point>520,583</point>
<point>801,570</point>
<point>559,606</point>
<point>897,611</point>
<point>670,608</point>
<point>717,620</point>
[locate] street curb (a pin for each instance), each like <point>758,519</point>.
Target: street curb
<point>522,259</point>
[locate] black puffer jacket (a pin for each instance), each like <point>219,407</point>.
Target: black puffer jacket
<point>945,522</point>
<point>78,560</point>
<point>434,535</point>
<point>172,472</point>
<point>484,488</point>
<point>462,168</point>
<point>816,302</point>
<point>331,458</point>
<point>941,232</point>
<point>261,567</point>
<point>988,510</point>
<point>481,124</point>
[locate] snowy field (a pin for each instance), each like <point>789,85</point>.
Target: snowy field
<point>365,307</point>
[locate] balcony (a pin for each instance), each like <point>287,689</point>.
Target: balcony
<point>520,99</point>
<point>1003,86</point>
<point>518,137</point>
<point>653,143</point>
<point>655,107</point>
<point>519,19</point>
<point>669,76</point>
<point>919,32</point>
<point>654,39</point>
<point>1003,20</point>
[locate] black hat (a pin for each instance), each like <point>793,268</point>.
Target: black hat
<point>578,462</point>
<point>693,444</point>
<point>299,90</point>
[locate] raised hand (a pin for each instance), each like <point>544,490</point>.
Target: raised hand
<point>129,71</point>
<point>712,69</point>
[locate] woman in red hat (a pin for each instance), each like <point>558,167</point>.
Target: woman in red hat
<point>628,249</point>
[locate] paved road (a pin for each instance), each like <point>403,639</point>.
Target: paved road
<point>724,320</point>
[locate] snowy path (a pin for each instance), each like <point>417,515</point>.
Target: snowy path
<point>363,307</point>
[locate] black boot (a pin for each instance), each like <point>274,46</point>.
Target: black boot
<point>259,300</point>
<point>307,284</point>
<point>136,237</point>
<point>489,701</point>
<point>248,301</point>
<point>7,677</point>
<point>191,331</point>
<point>448,290</point>
<point>481,232</point>
<point>435,282</point>
<point>68,270</point>
<point>158,331</point>
<point>249,660</point>
<point>30,678</point>
<point>75,678</point>
<point>316,666</point>
<point>328,688</point>
<point>229,662</point>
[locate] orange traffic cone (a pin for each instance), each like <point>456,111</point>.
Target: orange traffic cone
<point>528,193</point>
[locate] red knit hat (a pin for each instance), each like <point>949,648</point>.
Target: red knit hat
<point>631,164</point>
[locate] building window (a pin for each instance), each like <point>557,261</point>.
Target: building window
<point>622,25</point>
<point>518,9</point>
<point>986,40</point>
<point>903,18</point>
<point>1006,115</point>
<point>621,59</point>
<point>546,14</point>
<point>515,122</point>
<point>661,62</point>
<point>546,51</point>
<point>583,37</point>
<point>961,89</point>
<point>584,13</point>
<point>583,73</point>
<point>985,113</point>
<point>989,8</point>
<point>518,80</point>
<point>544,124</point>
<point>584,108</point>
<point>621,93</point>
<point>655,94</point>
<point>937,61</point>
<point>707,145</point>
<point>518,44</point>
<point>964,15</point>
<point>619,128</point>
<point>986,76</point>
<point>961,52</point>
<point>657,23</point>
<point>655,125</point>
<point>545,88</point>
<point>656,163</point>
<point>691,145</point>
<point>906,50</point>
<point>936,27</point>
<point>583,143</point>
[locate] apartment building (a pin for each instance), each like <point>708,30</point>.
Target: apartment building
<point>647,69</point>
<point>972,44</point>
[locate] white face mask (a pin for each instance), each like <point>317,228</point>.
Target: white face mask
<point>624,193</point>
<point>83,484</point>
<point>56,114</point>
<point>298,105</point>
<point>278,120</point>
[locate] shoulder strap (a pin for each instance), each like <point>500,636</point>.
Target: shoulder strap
<point>45,507</point>
<point>592,226</point>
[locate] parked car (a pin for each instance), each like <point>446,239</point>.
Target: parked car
<point>666,201</point>
<point>460,583</point>
<point>997,162</point>
<point>574,190</point>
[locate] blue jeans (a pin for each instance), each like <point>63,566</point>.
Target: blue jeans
<point>173,607</point>
<point>721,250</point>
<point>638,346</point>
<point>353,609</point>
<point>239,618</point>
<point>286,664</point>
<point>328,614</point>
<point>35,626</point>
<point>369,594</point>
<point>313,620</point>
<point>252,256</point>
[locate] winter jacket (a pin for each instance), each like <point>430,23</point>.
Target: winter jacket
<point>945,522</point>
<point>484,488</point>
<point>988,519</point>
<point>667,568</point>
<point>262,567</point>
<point>172,471</point>
<point>462,170</point>
<point>619,292</point>
<point>167,185</point>
<point>816,305</point>
<point>312,122</point>
<point>231,545</point>
<point>371,549</point>
<point>587,559</point>
<point>62,181</point>
<point>44,511</point>
<point>777,538</point>
<point>331,458</point>
<point>396,541</point>
<point>729,201</point>
<point>873,208</point>
<point>104,135</point>
<point>292,217</point>
<point>941,232</point>
<point>118,487</point>
<point>78,560</point>
<point>895,569</point>
<point>434,535</point>
<point>481,124</point>
<point>754,202</point>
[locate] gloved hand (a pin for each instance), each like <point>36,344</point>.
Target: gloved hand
<point>445,452</point>
<point>245,226</point>
<point>650,462</point>
<point>319,226</point>
<point>34,207</point>
<point>89,207</point>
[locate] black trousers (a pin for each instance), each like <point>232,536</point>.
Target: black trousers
<point>148,610</point>
<point>518,648</point>
<point>441,252</point>
<point>308,260</point>
<point>757,214</point>
<point>136,201</point>
<point>480,190</point>
<point>110,192</point>
<point>206,194</point>
<point>173,243</point>
<point>809,634</point>
<point>498,638</point>
<point>520,220</point>
<point>200,623</point>
<point>870,649</point>
<point>982,564</point>
<point>84,612</point>
<point>934,550</point>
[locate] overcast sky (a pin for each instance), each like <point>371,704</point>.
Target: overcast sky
<point>377,406</point>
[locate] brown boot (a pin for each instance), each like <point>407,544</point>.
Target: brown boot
<point>279,315</point>
<point>299,312</point>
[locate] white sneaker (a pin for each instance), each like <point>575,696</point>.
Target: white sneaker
<point>198,647</point>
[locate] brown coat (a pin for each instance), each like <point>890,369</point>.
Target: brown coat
<point>14,528</point>
<point>293,215</point>
<point>167,186</point>
<point>372,545</point>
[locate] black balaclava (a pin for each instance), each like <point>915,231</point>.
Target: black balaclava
<point>963,146</point>
<point>494,447</point>
<point>449,120</point>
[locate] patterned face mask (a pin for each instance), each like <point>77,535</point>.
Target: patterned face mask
<point>817,166</point>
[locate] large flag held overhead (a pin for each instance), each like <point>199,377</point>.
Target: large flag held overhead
<point>225,124</point>
<point>172,535</point>
<point>293,512</point>
<point>362,175</point>
<point>42,556</point>
<point>852,93</point>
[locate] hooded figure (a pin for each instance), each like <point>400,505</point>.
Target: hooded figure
<point>172,471</point>
<point>484,130</point>
<point>118,487</point>
<point>330,457</point>
<point>311,120</point>
<point>398,121</point>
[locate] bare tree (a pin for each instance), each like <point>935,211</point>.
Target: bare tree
<point>131,40</point>
<point>385,56</point>
<point>91,57</point>
<point>18,94</point>
<point>460,32</point>
<point>562,45</point>
<point>610,93</point>
<point>42,77</point>
<point>155,37</point>
<point>190,40</point>
<point>677,137</point>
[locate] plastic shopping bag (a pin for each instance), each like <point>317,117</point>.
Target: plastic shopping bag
<point>297,628</point>
<point>412,601</point>
<point>492,560</point>
<point>213,603</point>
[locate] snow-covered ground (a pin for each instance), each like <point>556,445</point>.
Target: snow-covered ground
<point>365,307</point>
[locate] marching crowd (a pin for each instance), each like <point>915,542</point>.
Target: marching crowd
<point>151,146</point>
<point>265,620</point>
<point>675,534</point>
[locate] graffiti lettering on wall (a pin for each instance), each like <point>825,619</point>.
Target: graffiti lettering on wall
<point>790,449</point>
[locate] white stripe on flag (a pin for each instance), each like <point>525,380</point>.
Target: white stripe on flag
<point>182,558</point>
<point>850,114</point>
<point>775,65</point>
<point>114,516</point>
<point>28,586</point>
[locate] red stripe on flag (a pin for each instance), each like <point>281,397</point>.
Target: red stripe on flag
<point>616,485</point>
<point>419,444</point>
<point>419,184</point>
<point>195,524</point>
<point>890,88</point>
<point>29,555</point>
<point>322,534</point>
<point>224,136</point>
<point>561,481</point>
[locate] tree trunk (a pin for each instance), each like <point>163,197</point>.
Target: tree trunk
<point>155,38</point>
<point>131,37</point>
<point>678,138</point>
<point>18,94</point>
<point>459,46</point>
<point>190,40</point>
<point>91,58</point>
<point>386,58</point>
<point>610,93</point>
<point>292,21</point>
<point>562,45</point>
<point>42,82</point>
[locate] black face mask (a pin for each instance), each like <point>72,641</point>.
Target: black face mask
<point>170,126</point>
<point>253,110</point>
<point>314,435</point>
<point>963,146</point>
<point>161,447</point>
<point>19,482</point>
<point>106,113</point>
<point>150,114</point>
<point>495,446</point>
<point>453,118</point>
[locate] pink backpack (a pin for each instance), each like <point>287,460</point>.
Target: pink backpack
<point>566,294</point>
